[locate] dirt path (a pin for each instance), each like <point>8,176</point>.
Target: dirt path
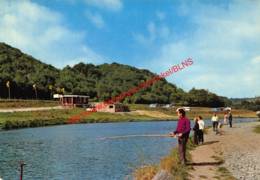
<point>29,109</point>
<point>237,149</point>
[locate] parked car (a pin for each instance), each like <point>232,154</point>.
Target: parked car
<point>168,106</point>
<point>219,109</point>
<point>91,108</point>
<point>227,109</point>
<point>186,108</point>
<point>153,105</point>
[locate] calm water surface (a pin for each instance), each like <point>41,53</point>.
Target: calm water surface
<point>76,152</point>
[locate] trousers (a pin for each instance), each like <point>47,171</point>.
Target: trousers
<point>182,142</point>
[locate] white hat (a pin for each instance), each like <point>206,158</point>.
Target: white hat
<point>179,109</point>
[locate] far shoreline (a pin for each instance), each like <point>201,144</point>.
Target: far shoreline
<point>252,119</point>
<point>61,116</point>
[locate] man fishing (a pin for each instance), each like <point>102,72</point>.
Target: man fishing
<point>182,132</point>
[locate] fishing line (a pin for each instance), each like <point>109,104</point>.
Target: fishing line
<point>135,135</point>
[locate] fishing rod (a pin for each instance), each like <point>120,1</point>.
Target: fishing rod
<point>136,135</point>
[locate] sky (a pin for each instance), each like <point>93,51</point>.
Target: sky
<point>221,36</point>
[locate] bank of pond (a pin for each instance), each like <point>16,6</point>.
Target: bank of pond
<point>17,120</point>
<point>79,151</point>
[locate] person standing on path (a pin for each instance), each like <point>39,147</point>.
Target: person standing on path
<point>214,120</point>
<point>230,119</point>
<point>196,131</point>
<point>225,118</point>
<point>182,132</point>
<point>201,128</point>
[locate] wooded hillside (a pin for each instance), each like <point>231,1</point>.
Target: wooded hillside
<point>27,74</point>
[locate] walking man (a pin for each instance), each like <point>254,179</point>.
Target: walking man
<point>230,119</point>
<point>182,132</point>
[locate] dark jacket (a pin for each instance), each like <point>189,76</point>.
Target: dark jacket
<point>230,117</point>
<point>196,127</point>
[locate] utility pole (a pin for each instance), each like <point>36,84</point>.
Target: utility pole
<point>35,90</point>
<point>8,86</point>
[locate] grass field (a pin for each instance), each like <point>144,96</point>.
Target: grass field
<point>257,129</point>
<point>17,103</point>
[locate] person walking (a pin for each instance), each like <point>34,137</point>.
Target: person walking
<point>220,124</point>
<point>214,120</point>
<point>196,131</point>
<point>225,118</point>
<point>201,129</point>
<point>182,132</point>
<point>230,119</point>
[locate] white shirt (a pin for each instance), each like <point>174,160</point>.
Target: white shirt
<point>214,118</point>
<point>201,124</point>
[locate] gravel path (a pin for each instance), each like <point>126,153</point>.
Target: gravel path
<point>238,146</point>
<point>242,151</point>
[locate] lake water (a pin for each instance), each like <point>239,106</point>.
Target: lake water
<point>76,152</point>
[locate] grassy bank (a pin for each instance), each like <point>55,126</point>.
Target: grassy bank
<point>257,129</point>
<point>172,165</point>
<point>205,112</point>
<point>169,163</point>
<point>56,117</point>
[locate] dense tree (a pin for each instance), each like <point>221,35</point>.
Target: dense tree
<point>201,97</point>
<point>252,104</point>
<point>100,82</point>
<point>23,71</point>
